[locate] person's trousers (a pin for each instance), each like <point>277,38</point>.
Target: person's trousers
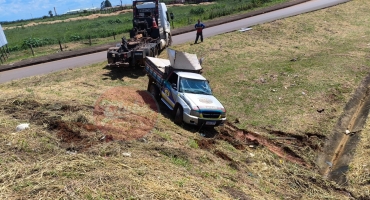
<point>201,37</point>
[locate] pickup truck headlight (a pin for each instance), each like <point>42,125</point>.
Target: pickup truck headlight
<point>195,113</point>
<point>223,113</point>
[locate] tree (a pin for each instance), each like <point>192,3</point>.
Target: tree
<point>50,13</point>
<point>105,4</point>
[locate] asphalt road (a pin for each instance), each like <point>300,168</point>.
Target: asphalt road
<point>49,67</point>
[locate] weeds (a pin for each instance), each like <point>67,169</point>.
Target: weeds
<point>172,165</point>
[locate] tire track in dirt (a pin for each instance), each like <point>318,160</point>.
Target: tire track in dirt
<point>240,138</point>
<point>339,150</point>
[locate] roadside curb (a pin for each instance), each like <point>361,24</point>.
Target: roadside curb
<point>85,51</point>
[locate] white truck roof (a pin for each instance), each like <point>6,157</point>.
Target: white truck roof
<point>190,75</point>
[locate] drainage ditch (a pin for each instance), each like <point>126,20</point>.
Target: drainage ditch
<point>339,150</point>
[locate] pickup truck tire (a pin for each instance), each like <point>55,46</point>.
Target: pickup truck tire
<point>178,119</point>
<point>154,91</point>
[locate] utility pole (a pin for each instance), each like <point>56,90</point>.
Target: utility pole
<point>55,11</point>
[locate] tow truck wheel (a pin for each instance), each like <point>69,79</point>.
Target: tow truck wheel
<point>156,51</point>
<point>169,39</point>
<point>178,115</point>
<point>153,90</point>
<point>130,62</point>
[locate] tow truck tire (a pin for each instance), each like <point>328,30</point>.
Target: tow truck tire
<point>130,62</point>
<point>178,119</point>
<point>154,91</point>
<point>169,39</point>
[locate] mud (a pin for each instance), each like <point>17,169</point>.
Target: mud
<point>206,144</point>
<point>337,153</point>
<point>125,113</point>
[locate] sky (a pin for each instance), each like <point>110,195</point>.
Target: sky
<point>12,10</point>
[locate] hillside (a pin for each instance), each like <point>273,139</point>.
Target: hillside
<point>95,133</point>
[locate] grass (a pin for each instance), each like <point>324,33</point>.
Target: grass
<point>48,34</point>
<point>186,15</point>
<point>273,77</point>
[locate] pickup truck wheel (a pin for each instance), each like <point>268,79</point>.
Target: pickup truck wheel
<point>178,115</point>
<point>153,90</point>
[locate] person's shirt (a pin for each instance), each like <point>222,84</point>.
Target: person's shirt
<point>199,27</point>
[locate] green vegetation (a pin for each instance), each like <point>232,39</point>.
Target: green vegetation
<point>47,34</point>
<point>188,15</point>
<point>21,36</point>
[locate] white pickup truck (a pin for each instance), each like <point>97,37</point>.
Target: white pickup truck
<point>177,82</point>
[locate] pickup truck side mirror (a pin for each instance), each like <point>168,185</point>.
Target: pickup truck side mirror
<point>174,86</point>
<point>171,15</point>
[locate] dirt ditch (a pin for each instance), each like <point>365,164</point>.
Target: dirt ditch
<point>285,145</point>
<point>334,160</point>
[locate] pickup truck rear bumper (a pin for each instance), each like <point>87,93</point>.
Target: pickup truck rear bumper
<point>189,119</point>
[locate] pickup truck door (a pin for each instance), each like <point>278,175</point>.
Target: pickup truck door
<point>169,89</point>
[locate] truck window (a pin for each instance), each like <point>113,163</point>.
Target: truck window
<point>173,78</point>
<point>166,17</point>
<point>194,86</point>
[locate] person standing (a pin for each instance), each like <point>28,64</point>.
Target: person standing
<point>199,27</point>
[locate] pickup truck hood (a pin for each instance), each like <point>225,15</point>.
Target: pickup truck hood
<point>203,102</point>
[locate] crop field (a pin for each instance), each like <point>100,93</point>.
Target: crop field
<point>95,133</point>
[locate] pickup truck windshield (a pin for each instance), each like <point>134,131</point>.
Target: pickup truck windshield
<point>195,86</point>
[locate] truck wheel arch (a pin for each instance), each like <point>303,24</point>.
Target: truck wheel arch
<point>153,90</point>
<point>178,114</point>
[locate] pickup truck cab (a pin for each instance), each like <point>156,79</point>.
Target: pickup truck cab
<point>186,92</point>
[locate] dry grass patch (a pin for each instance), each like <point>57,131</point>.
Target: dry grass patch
<point>359,171</point>
<point>289,78</point>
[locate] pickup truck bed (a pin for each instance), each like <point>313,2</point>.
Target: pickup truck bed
<point>156,68</point>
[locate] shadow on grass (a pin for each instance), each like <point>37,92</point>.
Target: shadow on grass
<point>119,72</point>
